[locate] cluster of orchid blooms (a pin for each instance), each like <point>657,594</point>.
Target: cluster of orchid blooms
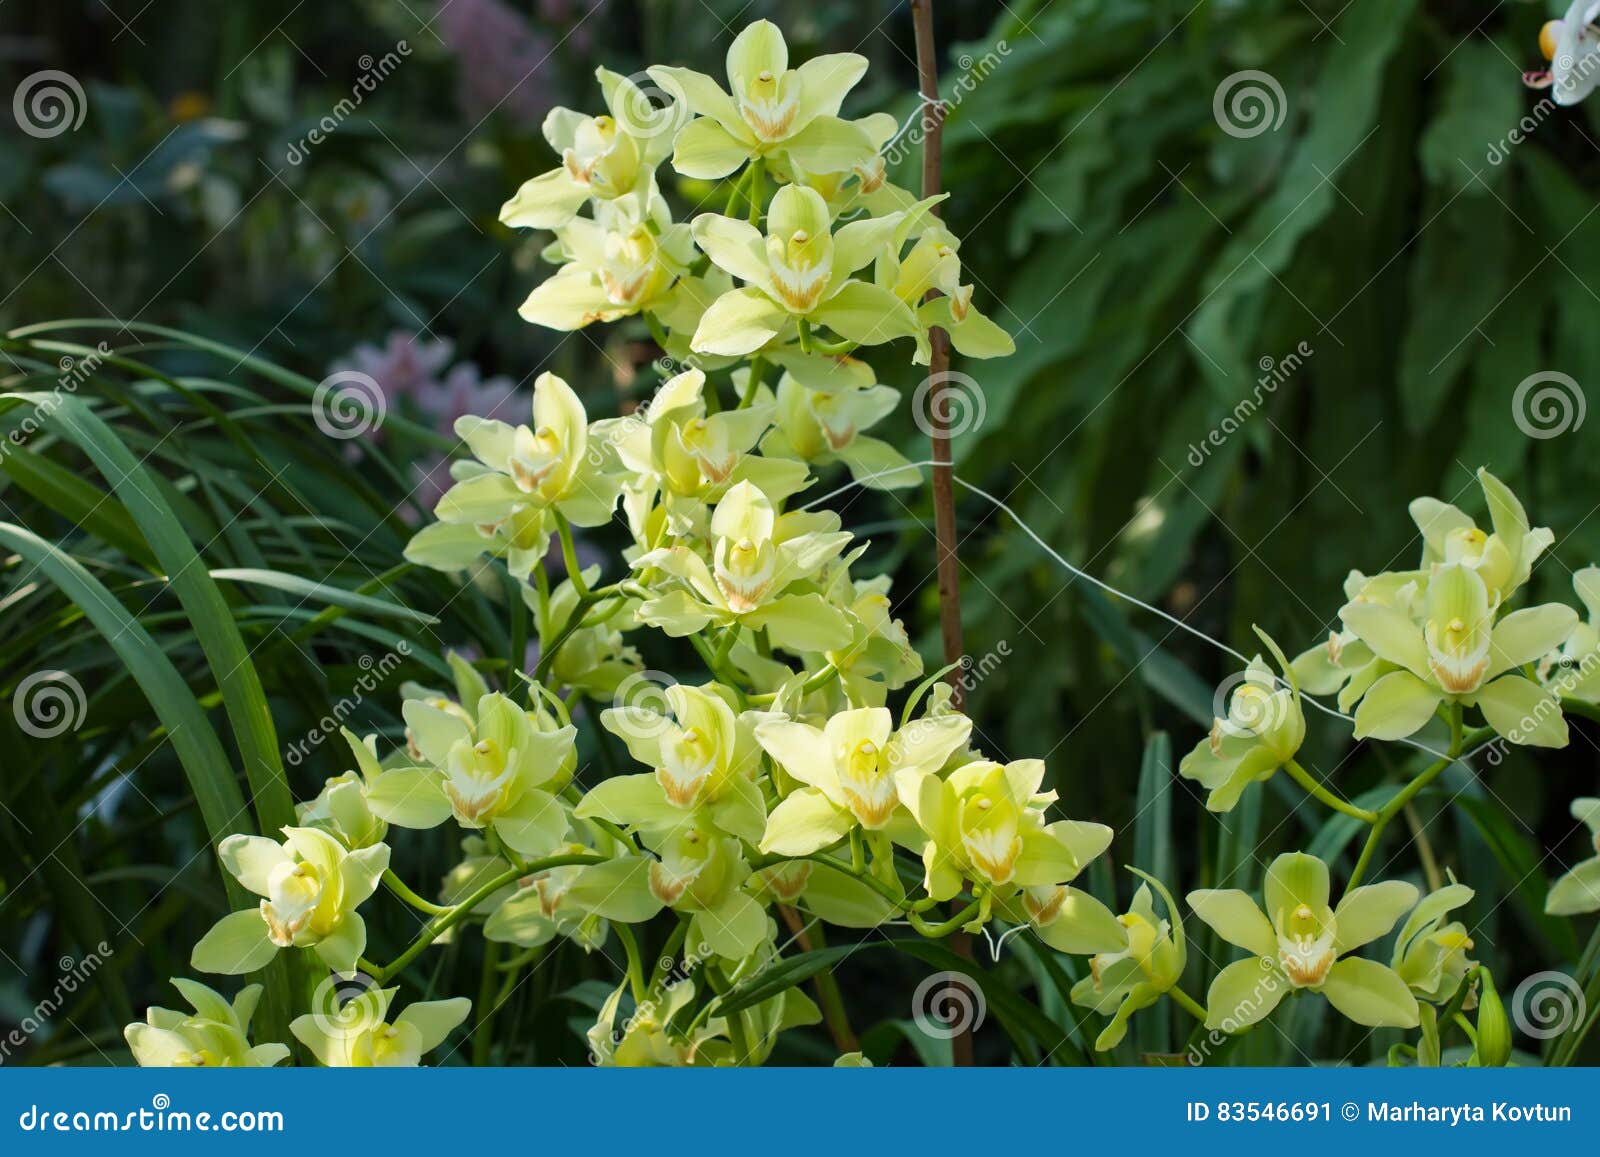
<point>785,780</point>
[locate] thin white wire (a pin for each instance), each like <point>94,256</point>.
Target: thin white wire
<point>1109,589</point>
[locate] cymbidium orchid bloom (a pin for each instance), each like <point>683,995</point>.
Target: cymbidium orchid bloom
<point>1300,943</point>
<point>771,109</point>
<point>934,263</point>
<point>496,771</point>
<point>703,756</point>
<point>1573,672</point>
<point>341,808</point>
<point>694,457</point>
<point>695,870</point>
<point>823,428</point>
<point>1125,979</point>
<point>310,886</point>
<point>543,908</point>
<point>1263,730</point>
<point>1579,890</point>
<point>613,267</point>
<point>1503,558</point>
<point>799,273</point>
<point>756,556</point>
<point>849,769</point>
<point>1572,46</point>
<point>215,1035</point>
<point>1430,954</point>
<point>503,497</point>
<point>606,157</point>
<point>1454,651</point>
<point>357,1035</point>
<point>985,822</point>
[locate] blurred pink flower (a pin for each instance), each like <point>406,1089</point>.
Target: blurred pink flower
<point>402,367</point>
<point>463,391</point>
<point>503,62</point>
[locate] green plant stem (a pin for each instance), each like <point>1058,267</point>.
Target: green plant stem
<point>399,887</point>
<point>630,945</point>
<point>482,1033</point>
<point>441,924</point>
<point>752,385</point>
<point>569,555</point>
<point>1458,741</point>
<point>1188,1003</point>
<point>1313,787</point>
<point>946,927</point>
<point>757,192</point>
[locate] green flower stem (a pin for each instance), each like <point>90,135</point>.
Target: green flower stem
<point>574,624</point>
<point>517,611</point>
<point>483,1030</point>
<point>630,945</point>
<point>1314,787</point>
<point>946,927</point>
<point>1579,707</point>
<point>1459,741</point>
<point>669,952</point>
<point>398,886</point>
<point>442,923</point>
<point>757,193</point>
<point>758,371</point>
<point>1188,1003</point>
<point>818,681</point>
<point>569,555</point>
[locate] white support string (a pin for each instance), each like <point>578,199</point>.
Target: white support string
<point>1109,589</point>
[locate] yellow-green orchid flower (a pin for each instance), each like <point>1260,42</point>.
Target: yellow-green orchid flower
<point>693,457</point>
<point>519,474</point>
<point>703,756</point>
<point>341,807</point>
<point>310,886</point>
<point>613,267</point>
<point>498,770</point>
<point>850,769</point>
<point>771,109</point>
<point>1503,559</point>
<point>215,1035</point>
<point>1300,942</point>
<point>756,557</point>
<point>606,157</point>
<point>935,263</point>
<point>358,1035</point>
<point>1573,672</point>
<point>798,274</point>
<point>541,909</point>
<point>1455,651</point>
<point>1134,976</point>
<point>1579,890</point>
<point>1430,954</point>
<point>1263,730</point>
<point>823,428</point>
<point>985,822</point>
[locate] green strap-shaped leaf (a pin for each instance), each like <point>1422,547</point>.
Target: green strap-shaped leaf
<point>242,693</point>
